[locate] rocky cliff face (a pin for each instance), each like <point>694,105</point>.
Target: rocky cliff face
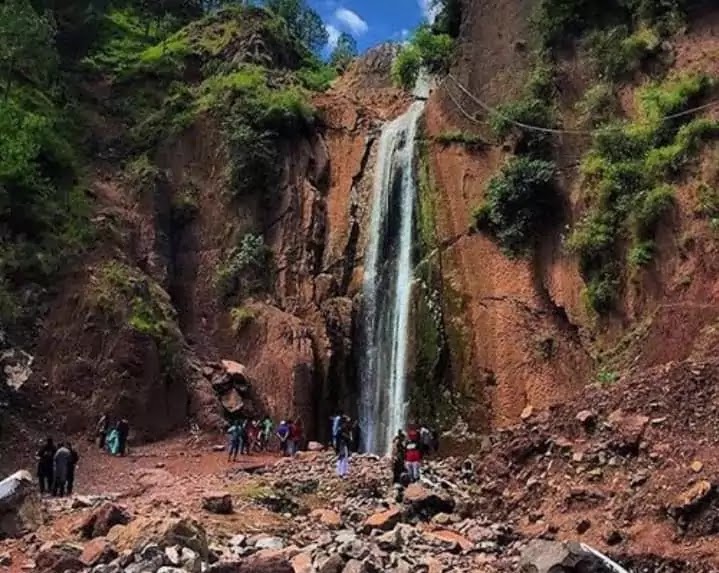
<point>139,325</point>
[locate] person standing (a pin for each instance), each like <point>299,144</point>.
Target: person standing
<point>425,440</point>
<point>235,441</point>
<point>63,457</point>
<point>253,434</point>
<point>344,439</point>
<point>398,452</point>
<point>356,437</point>
<point>267,426</point>
<point>413,458</point>
<point>296,432</point>
<point>123,431</point>
<point>336,426</point>
<point>102,428</point>
<point>283,434</point>
<point>74,458</point>
<point>45,466</point>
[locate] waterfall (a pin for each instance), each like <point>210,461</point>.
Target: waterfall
<point>387,284</point>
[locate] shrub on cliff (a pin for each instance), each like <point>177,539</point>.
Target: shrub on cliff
<point>519,201</point>
<point>246,270</point>
<point>625,175</point>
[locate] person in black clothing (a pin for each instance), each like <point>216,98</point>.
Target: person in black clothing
<point>74,458</point>
<point>45,461</point>
<point>102,429</point>
<point>123,429</point>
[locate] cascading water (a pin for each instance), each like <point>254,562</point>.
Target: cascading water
<point>387,284</point>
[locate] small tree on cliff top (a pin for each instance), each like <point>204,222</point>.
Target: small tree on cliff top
<point>344,52</point>
<point>303,22</point>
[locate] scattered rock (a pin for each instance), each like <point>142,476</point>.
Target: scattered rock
<point>5,560</point>
<point>691,499</point>
<point>302,563</point>
<point>219,503</point>
<point>697,466</point>
<point>354,566</point>
<point>542,556</point>
<point>333,564</point>
<point>587,419</point>
<point>327,517</point>
<point>59,559</point>
<point>424,503</point>
<point>583,526</point>
<point>453,540</point>
<point>255,564</point>
<point>384,520</point>
<point>527,413</point>
<point>97,552</point>
<point>315,447</point>
<point>100,521</point>
<point>614,537</point>
<point>270,543</point>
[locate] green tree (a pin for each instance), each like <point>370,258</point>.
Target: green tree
<point>303,21</point>
<point>27,43</point>
<point>344,52</point>
<point>449,17</point>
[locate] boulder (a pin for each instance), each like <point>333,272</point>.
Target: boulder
<point>185,533</point>
<point>327,517</point>
<point>315,447</point>
<point>97,552</point>
<point>20,507</point>
<point>424,503</point>
<point>58,559</point>
<point>102,520</point>
<point>383,520</point>
<point>219,503</point>
<point>253,565</point>
<point>454,541</point>
<point>302,563</point>
<point>333,564</point>
<point>354,566</point>
<point>232,401</point>
<point>274,543</point>
<point>692,499</point>
<point>587,419</point>
<point>541,556</point>
<point>628,431</point>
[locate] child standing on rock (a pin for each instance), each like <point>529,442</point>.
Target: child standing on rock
<point>413,456</point>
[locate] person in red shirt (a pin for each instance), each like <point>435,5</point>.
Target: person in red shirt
<point>413,456</point>
<point>296,436</point>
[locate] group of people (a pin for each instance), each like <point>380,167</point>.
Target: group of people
<point>112,437</point>
<point>248,435</point>
<point>56,468</point>
<point>408,452</point>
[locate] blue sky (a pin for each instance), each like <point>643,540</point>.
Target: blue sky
<point>371,21</point>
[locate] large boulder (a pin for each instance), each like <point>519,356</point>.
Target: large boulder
<point>541,556</point>
<point>219,503</point>
<point>20,507</point>
<point>58,559</point>
<point>425,503</point>
<point>102,520</point>
<point>98,551</point>
<point>383,520</point>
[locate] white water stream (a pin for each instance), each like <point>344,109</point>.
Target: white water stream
<point>388,283</point>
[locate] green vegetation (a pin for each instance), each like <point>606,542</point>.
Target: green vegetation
<point>427,49</point>
<point>519,201</point>
<point>558,22</point>
<point>27,45</point>
<point>708,204</point>
<point>617,53</point>
<point>625,173</point>
<point>607,377</point>
<point>246,269</point>
<point>127,295</point>
<point>242,316</point>
<point>534,108</point>
<point>460,137</point>
<point>599,105</point>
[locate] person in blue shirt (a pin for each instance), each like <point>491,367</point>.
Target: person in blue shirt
<point>235,436</point>
<point>336,429</point>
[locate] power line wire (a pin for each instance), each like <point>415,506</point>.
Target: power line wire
<point>493,111</point>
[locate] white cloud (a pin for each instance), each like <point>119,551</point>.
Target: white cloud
<point>333,35</point>
<point>429,8</point>
<point>352,21</point>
